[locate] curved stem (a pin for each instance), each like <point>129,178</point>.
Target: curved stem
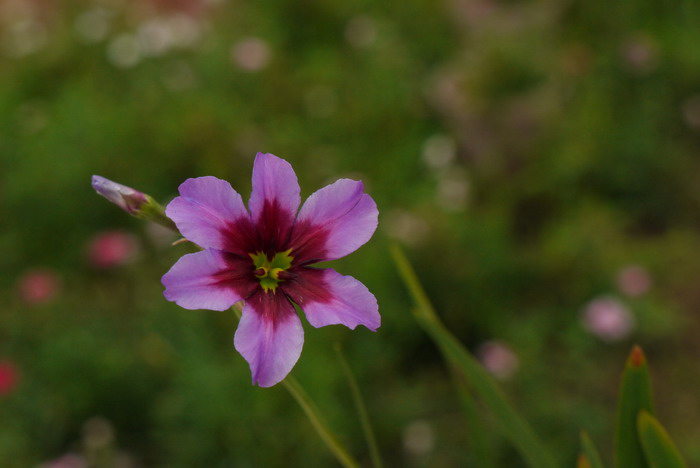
<point>291,384</point>
<point>361,409</point>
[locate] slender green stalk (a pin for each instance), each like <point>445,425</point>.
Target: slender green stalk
<point>291,384</point>
<point>511,423</point>
<point>313,414</point>
<point>361,409</point>
<point>479,443</point>
<point>590,452</point>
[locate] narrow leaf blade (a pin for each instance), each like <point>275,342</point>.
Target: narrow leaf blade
<point>511,423</point>
<point>589,452</point>
<point>635,395</point>
<point>660,450</point>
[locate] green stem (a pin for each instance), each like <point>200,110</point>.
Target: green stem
<point>511,423</point>
<point>361,409</point>
<point>312,412</point>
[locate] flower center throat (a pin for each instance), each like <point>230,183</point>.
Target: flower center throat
<point>271,271</point>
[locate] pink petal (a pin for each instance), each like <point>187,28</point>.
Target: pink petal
<point>274,200</point>
<point>270,337</point>
<point>210,213</point>
<point>335,221</point>
<point>329,298</point>
<point>210,279</point>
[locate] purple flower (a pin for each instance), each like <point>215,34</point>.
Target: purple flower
<point>264,257</point>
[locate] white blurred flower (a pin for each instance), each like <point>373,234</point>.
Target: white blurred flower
<point>251,54</point>
<point>418,438</point>
<point>361,31</point>
<point>439,151</point>
<point>94,25</point>
<point>24,37</point>
<point>155,37</point>
<point>691,112</point>
<point>498,359</point>
<point>406,227</point>
<point>608,319</point>
<point>123,51</point>
<point>453,190</point>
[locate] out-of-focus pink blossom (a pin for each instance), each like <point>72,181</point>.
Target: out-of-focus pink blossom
<point>498,359</point>
<point>634,281</point>
<point>112,249</point>
<point>608,319</point>
<point>69,460</point>
<point>251,54</point>
<point>9,377</point>
<point>38,286</point>
<point>640,54</point>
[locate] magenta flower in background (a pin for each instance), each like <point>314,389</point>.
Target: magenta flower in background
<point>38,286</point>
<point>111,249</point>
<point>264,257</point>
<point>9,377</point>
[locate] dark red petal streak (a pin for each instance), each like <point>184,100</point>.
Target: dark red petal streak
<point>239,237</point>
<point>238,275</point>
<point>306,285</point>
<point>274,228</point>
<point>308,243</point>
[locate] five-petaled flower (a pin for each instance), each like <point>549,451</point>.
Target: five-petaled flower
<point>264,257</point>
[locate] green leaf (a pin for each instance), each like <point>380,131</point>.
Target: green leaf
<point>659,449</point>
<point>635,395</point>
<point>589,453</point>
<point>510,422</point>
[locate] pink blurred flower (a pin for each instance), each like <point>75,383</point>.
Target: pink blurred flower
<point>498,359</point>
<point>251,54</point>
<point>634,281</point>
<point>38,286</point>
<point>608,319</point>
<point>9,377</point>
<point>112,249</point>
<point>69,460</point>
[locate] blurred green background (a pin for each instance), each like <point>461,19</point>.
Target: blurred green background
<point>539,161</point>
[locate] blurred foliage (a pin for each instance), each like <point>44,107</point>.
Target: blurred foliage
<point>526,152</point>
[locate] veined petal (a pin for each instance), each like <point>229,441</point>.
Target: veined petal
<point>274,200</point>
<point>329,298</point>
<point>269,336</point>
<point>210,213</point>
<point>335,221</point>
<point>210,279</point>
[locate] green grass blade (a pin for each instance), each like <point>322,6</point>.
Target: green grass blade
<point>659,449</point>
<point>589,452</point>
<point>362,413</point>
<point>513,426</point>
<point>635,395</point>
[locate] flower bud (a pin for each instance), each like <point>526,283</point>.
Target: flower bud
<point>126,198</point>
<point>132,201</point>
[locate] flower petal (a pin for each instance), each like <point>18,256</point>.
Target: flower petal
<point>274,200</point>
<point>335,221</point>
<point>210,279</point>
<point>210,213</point>
<point>329,298</point>
<point>270,337</point>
